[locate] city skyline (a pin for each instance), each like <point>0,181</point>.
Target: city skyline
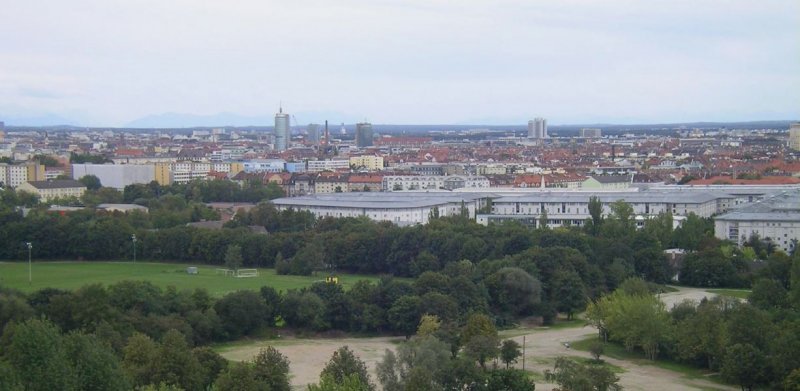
<point>114,63</point>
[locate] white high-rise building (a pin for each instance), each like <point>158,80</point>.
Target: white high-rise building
<point>537,128</point>
<point>282,130</point>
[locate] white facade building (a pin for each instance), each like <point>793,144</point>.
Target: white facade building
<point>572,208</point>
<point>13,175</point>
<point>775,219</point>
<point>433,182</point>
<point>116,175</point>
<point>406,209</point>
<point>328,165</point>
<point>264,165</point>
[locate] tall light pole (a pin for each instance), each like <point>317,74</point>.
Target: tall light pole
<point>133,238</point>
<point>30,268</point>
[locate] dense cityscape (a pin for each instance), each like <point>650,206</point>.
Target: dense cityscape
<point>261,195</point>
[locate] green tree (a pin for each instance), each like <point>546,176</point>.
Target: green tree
<point>241,312</point>
<point>345,364</point>
<point>96,367</point>
<point>272,368</point>
<point>744,365</point>
<point>239,377</point>
<point>510,352</point>
<point>768,294</point>
<point>139,357</point>
<point>349,383</point>
<point>794,281</point>
<point>596,211</point>
<point>233,257</point>
<point>513,291</point>
<point>91,182</point>
<point>428,325</point>
<point>38,356</point>
<point>571,375</point>
<point>419,364</point>
<point>569,291</point>
<point>404,315</point>
<point>480,339</point>
<point>175,364</point>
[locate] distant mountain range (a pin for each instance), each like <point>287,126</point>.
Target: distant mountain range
<point>301,119</point>
<point>181,120</point>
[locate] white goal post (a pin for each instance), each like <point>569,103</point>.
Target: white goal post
<point>225,272</point>
<point>247,273</point>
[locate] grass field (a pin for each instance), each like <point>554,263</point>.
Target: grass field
<point>72,275</point>
<point>737,293</point>
<point>618,352</point>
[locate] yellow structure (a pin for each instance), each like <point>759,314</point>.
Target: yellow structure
<point>35,171</point>
<point>48,190</point>
<point>368,162</point>
<point>794,137</point>
<point>163,174</point>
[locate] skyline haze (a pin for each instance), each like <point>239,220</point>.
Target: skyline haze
<point>115,63</point>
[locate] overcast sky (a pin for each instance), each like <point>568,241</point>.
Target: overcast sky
<point>109,62</point>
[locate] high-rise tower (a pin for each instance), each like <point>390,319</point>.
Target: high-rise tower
<point>363,134</point>
<point>282,132</point>
<point>794,136</point>
<point>537,128</point>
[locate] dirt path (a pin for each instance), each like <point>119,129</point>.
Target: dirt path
<point>542,347</point>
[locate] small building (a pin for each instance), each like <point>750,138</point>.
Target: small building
<point>607,182</point>
<point>48,190</point>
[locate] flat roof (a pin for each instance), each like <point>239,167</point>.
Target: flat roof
<point>389,200</point>
<point>783,206</point>
<point>630,197</point>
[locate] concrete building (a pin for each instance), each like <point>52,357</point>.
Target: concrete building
<point>537,128</point>
<point>282,130</point>
<point>264,165</point>
<point>607,182</point>
<point>184,172</point>
<point>364,134</point>
<point>13,175</point>
<point>312,132</point>
<point>590,133</point>
<point>368,162</point>
<point>572,208</point>
<point>116,175</point>
<point>794,136</point>
<point>433,182</point>
<point>328,165</point>
<point>331,183</point>
<point>406,209</point>
<point>48,190</point>
<point>775,218</point>
<point>228,154</point>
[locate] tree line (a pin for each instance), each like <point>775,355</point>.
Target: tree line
<point>753,343</point>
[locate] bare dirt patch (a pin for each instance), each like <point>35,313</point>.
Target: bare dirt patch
<point>542,346</point>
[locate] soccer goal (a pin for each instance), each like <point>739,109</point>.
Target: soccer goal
<point>225,272</point>
<point>247,273</point>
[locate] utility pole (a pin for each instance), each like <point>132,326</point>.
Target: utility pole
<point>133,238</point>
<point>30,268</point>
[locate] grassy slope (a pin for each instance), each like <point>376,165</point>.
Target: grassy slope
<point>72,275</point>
<point>618,352</point>
<point>737,293</point>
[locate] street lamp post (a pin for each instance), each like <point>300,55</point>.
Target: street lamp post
<point>133,238</point>
<point>30,268</point>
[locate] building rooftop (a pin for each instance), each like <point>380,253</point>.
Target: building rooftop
<point>57,184</point>
<point>393,200</point>
<point>783,206</point>
<point>630,197</point>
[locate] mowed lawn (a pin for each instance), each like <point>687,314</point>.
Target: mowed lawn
<point>73,275</point>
